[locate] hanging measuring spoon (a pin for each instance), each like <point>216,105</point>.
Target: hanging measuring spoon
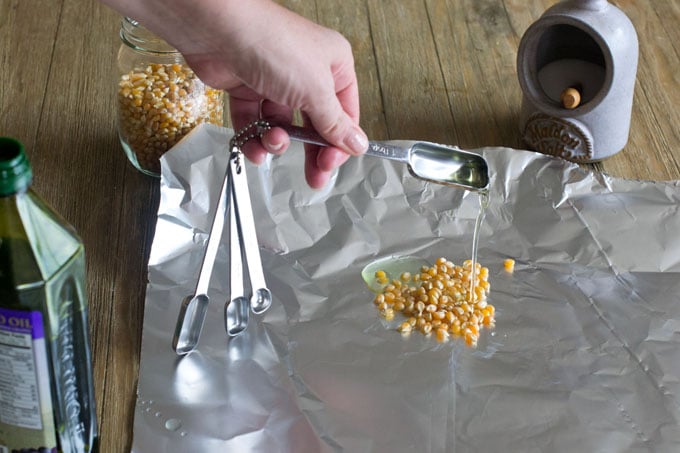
<point>194,307</point>
<point>237,307</point>
<point>261,298</point>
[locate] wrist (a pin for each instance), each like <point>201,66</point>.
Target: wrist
<point>191,26</point>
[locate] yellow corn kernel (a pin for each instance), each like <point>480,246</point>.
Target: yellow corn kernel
<point>509,265</point>
<point>388,314</point>
<point>470,339</point>
<point>442,335</point>
<point>449,316</point>
<point>405,327</point>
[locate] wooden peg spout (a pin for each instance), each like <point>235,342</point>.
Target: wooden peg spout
<point>571,98</point>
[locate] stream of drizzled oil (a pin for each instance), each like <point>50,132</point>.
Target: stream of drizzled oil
<point>395,266</point>
<point>483,204</point>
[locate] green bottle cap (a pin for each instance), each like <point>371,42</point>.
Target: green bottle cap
<point>15,170</point>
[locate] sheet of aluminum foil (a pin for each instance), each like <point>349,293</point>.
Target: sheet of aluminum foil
<point>585,354</point>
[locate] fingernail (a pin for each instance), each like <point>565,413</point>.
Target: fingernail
<point>357,142</point>
<point>275,147</point>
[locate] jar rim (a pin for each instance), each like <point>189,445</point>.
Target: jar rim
<point>139,38</point>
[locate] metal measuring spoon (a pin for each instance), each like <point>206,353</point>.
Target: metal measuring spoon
<point>194,307</point>
<point>261,298</point>
<point>237,307</point>
<point>441,164</point>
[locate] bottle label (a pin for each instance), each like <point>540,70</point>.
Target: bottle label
<point>26,419</point>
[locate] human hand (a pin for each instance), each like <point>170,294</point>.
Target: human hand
<point>272,62</point>
<point>288,63</point>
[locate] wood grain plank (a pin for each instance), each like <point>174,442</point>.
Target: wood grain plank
<point>411,82</point>
<point>523,13</point>
<point>27,33</point>
<point>476,45</point>
<point>110,204</point>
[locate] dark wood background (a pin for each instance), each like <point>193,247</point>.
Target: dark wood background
<point>439,70</point>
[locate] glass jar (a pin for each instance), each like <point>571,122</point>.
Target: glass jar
<point>159,98</point>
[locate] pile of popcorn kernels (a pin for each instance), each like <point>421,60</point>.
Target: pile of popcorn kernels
<point>439,299</point>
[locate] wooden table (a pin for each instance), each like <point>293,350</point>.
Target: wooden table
<point>440,70</point>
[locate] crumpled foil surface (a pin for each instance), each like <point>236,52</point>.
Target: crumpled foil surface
<point>584,357</point>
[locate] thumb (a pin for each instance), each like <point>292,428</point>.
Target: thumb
<point>337,127</point>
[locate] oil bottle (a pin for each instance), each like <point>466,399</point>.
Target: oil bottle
<point>46,388</point>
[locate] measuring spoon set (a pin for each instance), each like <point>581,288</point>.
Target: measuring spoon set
<point>234,202</point>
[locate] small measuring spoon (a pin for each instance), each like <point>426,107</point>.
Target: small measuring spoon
<point>441,164</point>
<point>261,298</point>
<point>236,309</point>
<point>194,307</point>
